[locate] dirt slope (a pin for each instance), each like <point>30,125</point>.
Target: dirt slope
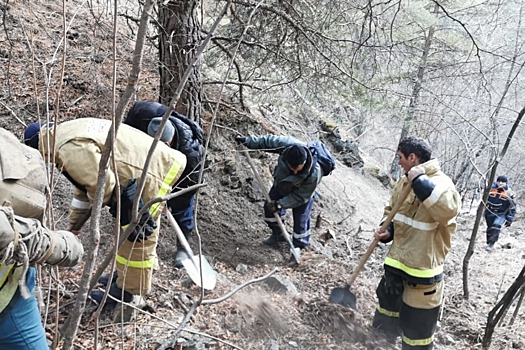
<point>230,223</point>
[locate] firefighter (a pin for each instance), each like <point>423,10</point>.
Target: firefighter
<point>186,136</point>
<point>24,242</point>
<point>78,146</point>
<point>295,179</point>
<point>500,210</point>
<point>410,292</point>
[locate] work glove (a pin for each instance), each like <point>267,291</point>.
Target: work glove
<point>146,224</point>
<point>272,206</point>
<point>507,223</point>
<point>393,284</point>
<point>241,140</point>
<point>144,228</point>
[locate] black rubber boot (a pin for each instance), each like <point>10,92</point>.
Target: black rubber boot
<point>104,279</point>
<point>274,239</point>
<point>115,292</point>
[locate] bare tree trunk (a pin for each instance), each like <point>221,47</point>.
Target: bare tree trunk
<point>410,118</point>
<point>178,40</point>
<point>70,327</point>
<point>501,307</point>
<point>518,306</point>
<point>479,214</point>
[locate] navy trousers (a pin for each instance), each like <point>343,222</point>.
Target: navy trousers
<point>301,220</point>
<point>494,224</point>
<point>21,323</point>
<point>181,208</point>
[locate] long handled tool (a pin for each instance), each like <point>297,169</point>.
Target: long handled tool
<point>296,252</point>
<point>194,264</point>
<point>343,295</point>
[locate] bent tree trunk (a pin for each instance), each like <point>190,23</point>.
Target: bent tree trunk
<point>479,214</point>
<point>499,311</point>
<point>178,42</point>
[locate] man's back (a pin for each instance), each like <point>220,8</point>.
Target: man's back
<point>80,143</point>
<point>23,178</point>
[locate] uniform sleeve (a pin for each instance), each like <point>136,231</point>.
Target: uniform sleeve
<point>271,142</point>
<point>441,199</point>
<point>80,159</point>
<point>302,194</point>
<point>79,206</point>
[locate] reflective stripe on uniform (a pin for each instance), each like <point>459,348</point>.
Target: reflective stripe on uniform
<point>419,225</point>
<point>9,289</point>
<point>387,312</point>
<point>78,204</point>
<point>136,264</point>
<point>146,264</point>
<point>301,235</point>
<point>429,273</point>
<point>434,196</point>
<point>417,342</point>
<point>166,186</point>
<point>4,272</point>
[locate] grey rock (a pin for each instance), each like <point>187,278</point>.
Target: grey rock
<point>281,284</point>
<point>241,268</point>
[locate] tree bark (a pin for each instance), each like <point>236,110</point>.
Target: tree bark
<point>410,118</point>
<point>501,307</point>
<point>479,214</point>
<point>178,40</point>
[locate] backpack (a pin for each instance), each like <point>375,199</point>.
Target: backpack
<point>198,134</point>
<point>322,155</point>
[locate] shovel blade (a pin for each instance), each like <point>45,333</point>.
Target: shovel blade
<point>296,253</point>
<point>343,296</point>
<point>209,276</point>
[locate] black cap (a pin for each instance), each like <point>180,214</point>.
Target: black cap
<point>295,155</point>
<point>502,178</point>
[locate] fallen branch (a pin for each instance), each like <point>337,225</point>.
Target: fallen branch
<point>173,325</point>
<point>245,284</point>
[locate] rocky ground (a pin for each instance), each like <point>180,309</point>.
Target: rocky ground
<point>290,310</point>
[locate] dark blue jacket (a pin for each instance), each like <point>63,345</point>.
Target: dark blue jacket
<point>295,189</point>
<point>501,203</point>
<point>188,137</point>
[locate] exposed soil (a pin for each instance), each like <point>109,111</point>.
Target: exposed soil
<point>229,217</point>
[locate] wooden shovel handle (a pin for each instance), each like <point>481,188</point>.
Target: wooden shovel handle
<point>268,199</point>
<point>180,235</point>
<point>383,227</point>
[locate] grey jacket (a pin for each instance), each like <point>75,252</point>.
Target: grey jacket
<point>295,190</point>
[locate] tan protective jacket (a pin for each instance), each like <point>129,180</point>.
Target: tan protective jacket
<point>23,184</point>
<point>23,178</point>
<point>423,230</point>
<point>78,148</point>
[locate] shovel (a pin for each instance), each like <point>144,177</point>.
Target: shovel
<point>296,252</point>
<point>197,266</point>
<point>343,295</point>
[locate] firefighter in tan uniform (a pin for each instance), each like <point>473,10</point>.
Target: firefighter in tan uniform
<point>24,242</point>
<point>410,293</point>
<point>78,148</point>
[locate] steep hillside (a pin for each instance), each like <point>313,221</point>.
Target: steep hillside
<point>349,205</point>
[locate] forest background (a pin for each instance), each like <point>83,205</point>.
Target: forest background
<point>366,73</point>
